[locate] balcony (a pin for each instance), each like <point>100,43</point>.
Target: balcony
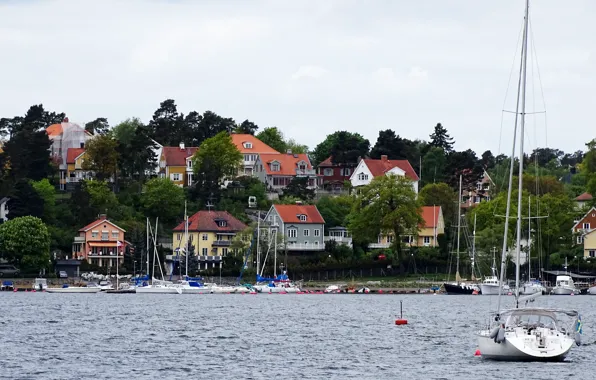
<point>306,247</point>
<point>379,245</point>
<point>105,256</point>
<point>306,172</point>
<point>340,239</point>
<point>209,258</point>
<point>79,239</point>
<point>222,243</point>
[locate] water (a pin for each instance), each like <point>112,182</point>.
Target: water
<point>152,336</point>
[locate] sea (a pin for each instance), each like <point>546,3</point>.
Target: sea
<point>265,336</point>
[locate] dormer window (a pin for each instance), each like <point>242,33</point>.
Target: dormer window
<point>302,165</point>
<point>275,166</point>
<point>189,164</point>
<point>247,145</point>
<point>302,218</point>
<point>222,223</point>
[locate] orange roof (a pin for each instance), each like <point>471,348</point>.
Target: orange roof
<point>54,130</point>
<point>207,221</point>
<point>176,156</point>
<point>256,145</point>
<point>72,154</point>
<point>291,214</point>
<point>382,166</point>
<point>430,214</point>
<point>584,197</point>
<point>98,222</point>
<point>288,163</point>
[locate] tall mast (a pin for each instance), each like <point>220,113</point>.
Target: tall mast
<point>474,247</point>
<point>529,233</point>
<point>521,83</point>
<point>521,152</point>
<point>186,238</point>
<point>457,276</point>
<point>147,248</point>
<point>258,241</point>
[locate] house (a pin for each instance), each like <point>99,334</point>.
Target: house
<point>302,226</point>
<point>589,241</point>
<point>480,193</point>
<point>210,235</point>
<point>100,242</point>
<point>175,163</point>
<point>4,209</point>
<point>250,147</point>
<point>334,175</point>
<point>340,235</point>
<point>64,136</point>
<point>583,200</point>
<point>432,226</point>
<point>74,167</point>
<point>584,225</point>
<point>277,170</point>
<point>367,169</point>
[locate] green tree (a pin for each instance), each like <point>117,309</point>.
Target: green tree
<point>99,126</point>
<point>47,192</point>
<point>387,205</point>
<point>298,188</point>
<point>25,201</point>
<point>433,165</point>
<point>440,138</point>
<point>135,148</point>
<point>166,123</point>
<point>25,241</point>
<point>101,198</point>
<point>101,156</point>
<point>440,194</point>
<point>294,147</point>
<point>247,127</point>
<point>164,199</point>
<point>274,138</point>
<point>335,210</point>
<point>348,147</point>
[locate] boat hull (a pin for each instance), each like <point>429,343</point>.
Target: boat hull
<point>196,290</point>
<point>459,289</point>
<point>516,348</point>
<point>158,290</point>
<point>73,290</point>
<point>490,290</point>
<point>564,291</point>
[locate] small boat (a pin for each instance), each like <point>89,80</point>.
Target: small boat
<point>491,284</point>
<point>532,287</point>
<point>565,286</point>
<point>461,288</point>
<point>7,285</point>
<point>40,284</point>
<point>332,289</point>
<point>75,289</point>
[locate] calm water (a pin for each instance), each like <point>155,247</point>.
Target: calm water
<point>130,336</point>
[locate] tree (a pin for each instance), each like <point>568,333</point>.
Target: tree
<point>440,194</point>
<point>166,123</point>
<point>163,199</point>
<point>488,160</point>
<point>465,164</point>
<point>216,159</point>
<point>348,147</point>
<point>294,147</point>
<point>335,210</point>
<point>25,241</point>
<point>387,205</point>
<point>440,138</point>
<point>136,148</point>
<point>298,188</point>
<point>27,151</point>
<point>47,193</point>
<point>101,156</point>
<point>433,165</point>
<point>101,198</point>
<point>393,146</point>
<point>25,201</point>
<point>99,126</point>
<point>247,127</point>
<point>274,138</point>
<point>36,119</point>
<point>212,124</point>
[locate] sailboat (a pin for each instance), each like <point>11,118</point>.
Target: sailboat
<point>459,287</point>
<point>524,333</point>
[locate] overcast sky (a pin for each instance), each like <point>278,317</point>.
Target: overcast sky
<point>309,67</point>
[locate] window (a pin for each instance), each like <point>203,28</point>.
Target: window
<point>426,240</point>
<point>328,172</point>
<point>224,251</point>
<point>205,237</point>
<point>580,240</point>
<point>222,223</point>
<point>175,176</point>
<point>362,176</point>
<point>586,226</point>
<point>389,239</point>
<point>189,164</point>
<point>478,186</point>
<point>592,253</point>
<point>292,232</point>
<point>302,218</point>
<point>247,145</point>
<point>104,235</point>
<point>302,166</point>
<point>306,232</point>
<point>204,250</point>
<point>476,199</point>
<point>317,242</point>
<point>94,234</point>
<point>275,167</point>
<point>346,171</point>
<point>317,233</point>
<point>115,234</point>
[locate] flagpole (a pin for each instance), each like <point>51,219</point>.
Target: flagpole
<point>117,260</point>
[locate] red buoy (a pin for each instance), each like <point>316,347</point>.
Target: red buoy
<point>399,322</point>
<point>477,353</point>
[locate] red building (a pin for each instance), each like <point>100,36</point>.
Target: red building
<point>334,175</point>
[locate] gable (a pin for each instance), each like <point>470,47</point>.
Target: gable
<point>589,217</point>
<point>99,222</point>
<point>361,168</point>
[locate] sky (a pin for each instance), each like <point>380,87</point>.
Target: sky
<point>309,67</point>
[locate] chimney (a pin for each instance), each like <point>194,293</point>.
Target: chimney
<point>65,120</point>
<point>289,151</point>
<point>383,157</point>
<point>181,146</point>
<point>102,216</point>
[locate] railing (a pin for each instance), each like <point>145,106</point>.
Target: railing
<point>308,172</point>
<point>305,247</point>
<point>340,239</point>
<point>106,255</point>
<point>222,243</point>
<point>79,239</point>
<point>379,245</point>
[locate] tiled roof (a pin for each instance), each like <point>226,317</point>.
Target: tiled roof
<point>176,156</point>
<point>98,222</point>
<point>291,214</point>
<point>382,166</point>
<point>207,221</point>
<point>257,145</point>
<point>584,197</point>
<point>430,214</point>
<point>288,163</point>
<point>329,163</point>
<point>72,154</point>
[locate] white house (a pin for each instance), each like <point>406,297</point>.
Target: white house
<point>368,169</point>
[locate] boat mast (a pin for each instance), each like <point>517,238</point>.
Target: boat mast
<point>512,162</point>
<point>521,152</point>
<point>474,247</point>
<point>186,238</point>
<point>529,233</point>
<point>258,241</point>
<point>147,248</point>
<point>457,276</point>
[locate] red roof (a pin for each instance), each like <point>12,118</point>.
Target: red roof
<point>291,214</point>
<point>288,163</point>
<point>208,221</point>
<point>57,129</point>
<point>176,156</point>
<point>430,214</point>
<point>329,163</point>
<point>98,222</point>
<point>72,154</point>
<point>382,166</point>
<point>584,197</point>
<point>256,145</point>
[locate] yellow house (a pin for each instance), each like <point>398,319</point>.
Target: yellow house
<point>590,245</point>
<point>74,172</point>
<point>210,235</point>
<point>434,225</point>
<point>175,163</point>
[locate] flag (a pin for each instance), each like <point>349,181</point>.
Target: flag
<point>119,243</point>
<point>578,325</point>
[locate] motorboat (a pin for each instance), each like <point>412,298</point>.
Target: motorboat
<point>532,287</point>
<point>491,284</point>
<point>461,288</point>
<point>40,284</point>
<point>106,285</point>
<point>74,289</point>
<point>332,289</point>
<point>565,286</point>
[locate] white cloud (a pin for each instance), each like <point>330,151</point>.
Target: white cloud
<point>309,71</point>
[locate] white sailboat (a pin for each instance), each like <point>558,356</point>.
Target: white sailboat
<point>523,333</point>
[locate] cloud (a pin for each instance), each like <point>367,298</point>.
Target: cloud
<point>309,71</point>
